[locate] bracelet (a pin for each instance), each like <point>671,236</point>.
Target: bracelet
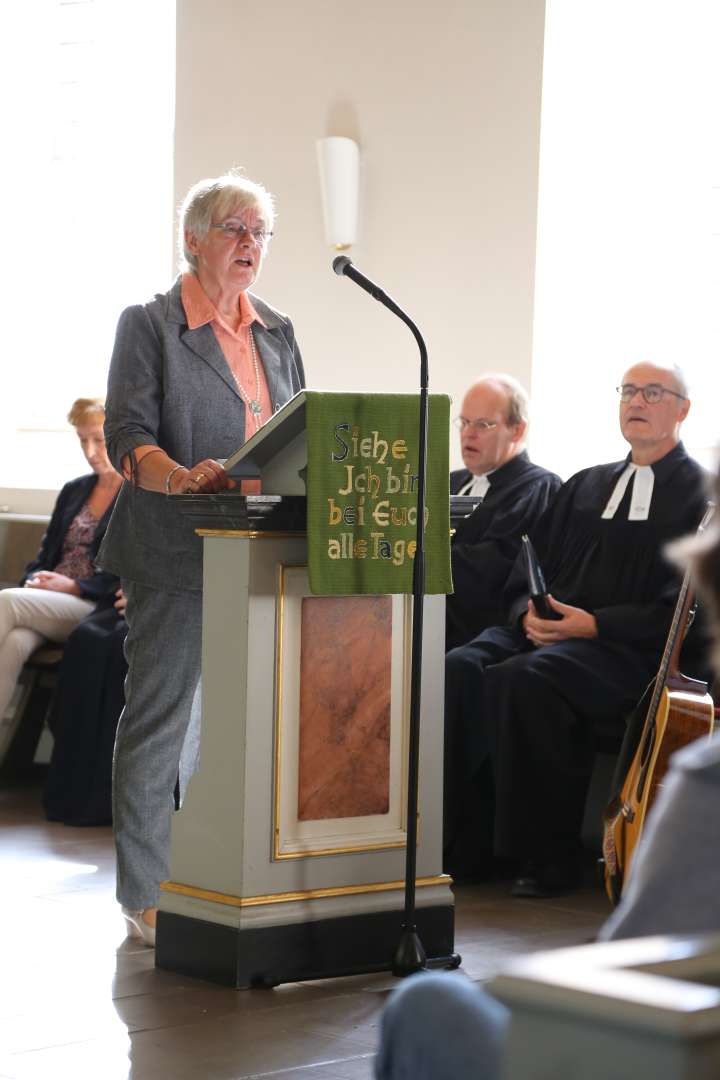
<point>169,477</point>
<point>130,473</point>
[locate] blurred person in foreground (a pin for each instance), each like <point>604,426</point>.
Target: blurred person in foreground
<point>194,373</point>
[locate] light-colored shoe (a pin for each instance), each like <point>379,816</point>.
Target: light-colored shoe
<point>138,928</point>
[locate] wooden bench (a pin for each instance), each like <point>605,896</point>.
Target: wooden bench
<point>31,712</point>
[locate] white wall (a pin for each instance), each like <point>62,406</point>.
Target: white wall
<point>444,101</point>
<point>628,261</point>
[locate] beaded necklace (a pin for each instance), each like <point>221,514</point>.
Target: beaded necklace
<point>253,403</point>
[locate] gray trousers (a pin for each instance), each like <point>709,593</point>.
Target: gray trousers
<point>157,738</point>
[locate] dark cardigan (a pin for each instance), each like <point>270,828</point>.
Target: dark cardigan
<point>100,586</point>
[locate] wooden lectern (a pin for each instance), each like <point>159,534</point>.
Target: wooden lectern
<point>288,855</point>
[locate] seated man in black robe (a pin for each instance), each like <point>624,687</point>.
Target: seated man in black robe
<point>511,493</point>
<point>522,700</point>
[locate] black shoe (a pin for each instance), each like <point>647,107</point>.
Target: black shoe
<point>538,880</point>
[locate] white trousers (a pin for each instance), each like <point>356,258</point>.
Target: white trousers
<point>29,617</point>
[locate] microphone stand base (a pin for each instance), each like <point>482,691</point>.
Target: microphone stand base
<point>410,955</point>
<point>444,963</point>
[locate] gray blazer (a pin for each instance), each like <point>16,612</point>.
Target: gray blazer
<point>172,386</point>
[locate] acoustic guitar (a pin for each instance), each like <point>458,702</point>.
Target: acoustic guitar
<point>680,711</point>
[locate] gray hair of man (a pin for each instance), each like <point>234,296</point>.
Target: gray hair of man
<point>214,199</point>
<point>676,373</point>
<point>681,379</point>
<point>517,396</point>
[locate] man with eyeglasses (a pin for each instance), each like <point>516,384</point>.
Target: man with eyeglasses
<point>511,494</point>
<point>523,700</point>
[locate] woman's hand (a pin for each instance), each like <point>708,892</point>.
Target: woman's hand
<point>120,603</point>
<point>205,477</point>
<point>47,579</point>
<point>575,623</point>
<point>156,471</point>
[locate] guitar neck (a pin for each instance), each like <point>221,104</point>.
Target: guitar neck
<point>673,644</point>
<point>669,670</point>
<point>679,626</point>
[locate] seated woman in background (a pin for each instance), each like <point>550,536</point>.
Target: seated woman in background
<point>61,586</point>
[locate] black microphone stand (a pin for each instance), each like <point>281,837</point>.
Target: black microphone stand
<point>410,955</point>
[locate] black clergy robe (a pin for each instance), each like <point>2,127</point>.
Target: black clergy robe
<point>520,720</point>
<point>486,543</point>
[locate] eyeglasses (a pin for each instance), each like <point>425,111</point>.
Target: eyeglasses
<point>652,393</point>
<point>462,423</point>
<point>260,236</point>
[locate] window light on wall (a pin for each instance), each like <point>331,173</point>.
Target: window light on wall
<point>91,130</point>
<point>628,255</point>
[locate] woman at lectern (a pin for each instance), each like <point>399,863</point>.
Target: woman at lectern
<point>194,373</point>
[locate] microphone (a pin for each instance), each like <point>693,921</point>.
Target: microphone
<point>342,265</point>
<point>410,954</point>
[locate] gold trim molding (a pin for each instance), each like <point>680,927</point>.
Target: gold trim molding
<point>278,855</point>
<point>305,894</point>
<point>279,624</point>
<point>380,845</point>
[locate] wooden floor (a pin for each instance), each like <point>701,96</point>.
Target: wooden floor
<point>78,1000</point>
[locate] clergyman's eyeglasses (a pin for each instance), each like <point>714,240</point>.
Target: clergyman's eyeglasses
<point>463,423</point>
<point>652,393</point>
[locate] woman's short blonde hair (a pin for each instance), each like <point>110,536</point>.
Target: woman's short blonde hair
<point>216,198</point>
<point>84,408</point>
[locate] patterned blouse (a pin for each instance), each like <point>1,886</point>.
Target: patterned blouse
<point>75,562</point>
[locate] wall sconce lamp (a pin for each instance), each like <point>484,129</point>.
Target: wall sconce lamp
<point>339,164</point>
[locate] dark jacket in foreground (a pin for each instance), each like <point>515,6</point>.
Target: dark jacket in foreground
<point>101,586</point>
<point>487,542</point>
